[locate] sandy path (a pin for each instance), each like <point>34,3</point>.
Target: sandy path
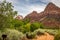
<point>45,37</point>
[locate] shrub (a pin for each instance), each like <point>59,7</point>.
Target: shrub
<point>30,35</point>
<point>34,26</point>
<point>39,32</point>
<point>57,37</point>
<point>0,35</point>
<point>13,34</point>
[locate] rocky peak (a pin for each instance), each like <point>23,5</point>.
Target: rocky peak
<point>51,4</point>
<point>34,13</point>
<point>52,7</point>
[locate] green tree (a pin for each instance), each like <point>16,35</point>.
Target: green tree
<point>41,25</point>
<point>26,21</point>
<point>17,23</point>
<point>24,28</point>
<point>7,12</point>
<point>27,28</point>
<point>3,21</point>
<point>34,26</point>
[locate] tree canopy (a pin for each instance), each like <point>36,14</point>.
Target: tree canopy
<point>6,14</point>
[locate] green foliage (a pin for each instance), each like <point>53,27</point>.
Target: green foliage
<point>26,21</point>
<point>50,31</point>
<point>17,23</point>
<point>39,32</point>
<point>24,28</point>
<point>6,14</point>
<point>30,35</point>
<point>2,21</point>
<point>0,35</point>
<point>35,26</point>
<point>57,36</point>
<point>6,9</point>
<point>27,28</point>
<point>41,25</point>
<point>12,34</point>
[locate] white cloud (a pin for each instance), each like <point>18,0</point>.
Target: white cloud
<point>12,1</point>
<point>57,2</point>
<point>46,1</point>
<point>36,8</point>
<point>1,0</point>
<point>29,9</point>
<point>33,8</point>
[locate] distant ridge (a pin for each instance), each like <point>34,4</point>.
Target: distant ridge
<point>50,17</point>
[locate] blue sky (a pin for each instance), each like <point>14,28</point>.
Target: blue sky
<point>25,7</point>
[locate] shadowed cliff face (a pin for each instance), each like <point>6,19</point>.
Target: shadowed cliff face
<point>49,17</point>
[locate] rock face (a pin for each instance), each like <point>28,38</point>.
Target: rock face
<point>52,7</point>
<point>49,17</point>
<point>32,16</point>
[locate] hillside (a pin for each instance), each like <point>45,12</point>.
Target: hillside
<point>49,17</point>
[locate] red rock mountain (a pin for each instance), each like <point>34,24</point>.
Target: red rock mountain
<point>49,17</point>
<point>52,7</point>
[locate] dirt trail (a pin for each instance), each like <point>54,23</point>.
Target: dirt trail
<point>45,37</point>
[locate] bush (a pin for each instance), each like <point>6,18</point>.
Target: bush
<point>57,37</point>
<point>26,28</point>
<point>50,31</point>
<point>30,35</point>
<point>13,34</point>
<point>0,35</point>
<point>34,26</point>
<point>39,32</point>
